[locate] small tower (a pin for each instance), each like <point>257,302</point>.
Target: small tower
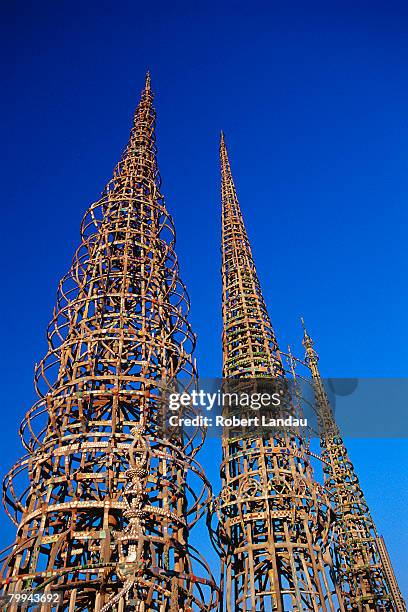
<point>274,524</point>
<point>362,562</point>
<point>105,517</point>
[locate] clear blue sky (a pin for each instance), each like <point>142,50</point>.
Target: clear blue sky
<point>313,101</point>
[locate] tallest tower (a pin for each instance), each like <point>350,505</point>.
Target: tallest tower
<point>275,527</point>
<point>105,516</point>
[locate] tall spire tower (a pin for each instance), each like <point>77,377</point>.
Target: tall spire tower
<point>106,514</point>
<point>249,343</point>
<point>275,527</point>
<point>364,568</point>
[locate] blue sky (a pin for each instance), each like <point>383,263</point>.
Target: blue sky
<point>313,102</point>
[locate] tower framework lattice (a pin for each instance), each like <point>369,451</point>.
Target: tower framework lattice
<point>110,499</point>
<point>275,522</point>
<point>363,566</point>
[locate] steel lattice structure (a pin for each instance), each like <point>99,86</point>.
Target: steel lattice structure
<point>275,525</point>
<point>364,568</point>
<point>106,514</point>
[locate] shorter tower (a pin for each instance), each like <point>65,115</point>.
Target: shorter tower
<point>362,562</point>
<point>275,526</point>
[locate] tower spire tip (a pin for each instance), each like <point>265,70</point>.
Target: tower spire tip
<point>148,81</point>
<point>305,332</point>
